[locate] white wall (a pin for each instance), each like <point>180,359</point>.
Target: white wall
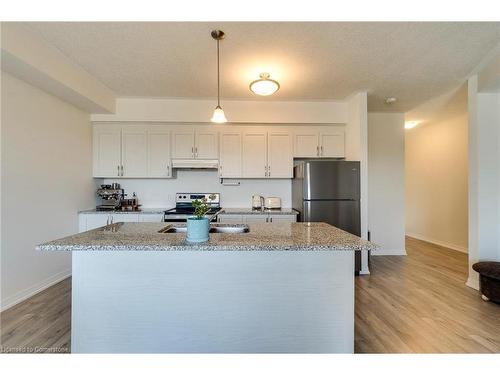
<point>436,172</point>
<point>46,178</point>
<point>237,111</point>
<point>27,56</point>
<point>484,177</point>
<point>386,182</point>
<point>159,193</point>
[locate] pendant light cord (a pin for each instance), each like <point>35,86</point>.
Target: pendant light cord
<point>218,75</point>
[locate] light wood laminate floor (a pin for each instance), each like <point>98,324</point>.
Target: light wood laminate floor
<point>420,304</point>
<point>413,304</point>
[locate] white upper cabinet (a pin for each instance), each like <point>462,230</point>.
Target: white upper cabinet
<point>332,144</point>
<point>306,143</point>
<point>206,143</point>
<point>134,150</point>
<point>130,150</point>
<point>279,155</point>
<point>230,154</point>
<point>198,142</point>
<point>319,142</point>
<point>159,152</point>
<point>254,154</point>
<point>183,143</point>
<point>107,150</point>
<point>146,150</point>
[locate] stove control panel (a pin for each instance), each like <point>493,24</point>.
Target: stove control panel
<point>213,199</point>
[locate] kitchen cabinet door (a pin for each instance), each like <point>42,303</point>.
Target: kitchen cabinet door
<point>254,154</point>
<point>306,144</point>
<point>134,151</point>
<point>150,218</point>
<point>159,162</point>
<point>282,218</point>
<point>206,144</point>
<point>256,218</point>
<point>125,218</point>
<point>183,143</point>
<point>93,221</point>
<point>332,144</point>
<point>230,155</point>
<point>106,146</point>
<point>279,155</point>
<point>230,219</point>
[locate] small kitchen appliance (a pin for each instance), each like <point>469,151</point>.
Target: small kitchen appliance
<point>111,197</point>
<point>272,202</point>
<point>257,201</point>
<point>184,207</point>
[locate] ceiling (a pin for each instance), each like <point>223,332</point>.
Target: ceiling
<point>311,60</point>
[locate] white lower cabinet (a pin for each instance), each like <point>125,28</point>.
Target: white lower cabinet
<point>255,218</point>
<point>88,222</point>
<point>282,218</point>
<point>230,219</point>
<point>97,220</point>
<point>151,218</point>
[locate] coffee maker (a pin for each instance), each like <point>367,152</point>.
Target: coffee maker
<point>111,197</point>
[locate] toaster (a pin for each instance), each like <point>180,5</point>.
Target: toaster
<point>272,202</point>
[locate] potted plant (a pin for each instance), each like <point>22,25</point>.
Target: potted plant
<point>197,225</point>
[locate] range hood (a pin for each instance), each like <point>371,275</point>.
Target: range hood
<point>195,163</point>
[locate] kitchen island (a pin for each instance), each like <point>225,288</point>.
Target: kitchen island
<point>280,288</point>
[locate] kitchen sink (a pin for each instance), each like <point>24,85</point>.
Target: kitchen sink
<point>214,228</point>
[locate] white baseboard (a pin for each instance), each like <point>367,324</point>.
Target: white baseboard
<point>473,282</point>
<point>31,291</point>
<point>389,252</point>
<point>438,242</point>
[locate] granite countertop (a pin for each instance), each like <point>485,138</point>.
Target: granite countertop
<point>251,211</point>
<point>142,211</point>
<point>265,237</point>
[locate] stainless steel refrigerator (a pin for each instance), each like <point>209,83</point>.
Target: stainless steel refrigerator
<point>328,191</point>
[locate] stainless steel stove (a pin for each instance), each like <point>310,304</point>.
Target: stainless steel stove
<point>184,206</point>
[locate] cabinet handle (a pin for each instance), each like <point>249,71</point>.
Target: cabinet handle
<point>321,150</point>
<point>111,219</point>
<point>268,171</point>
<point>271,219</point>
<point>196,152</point>
<point>122,170</point>
<point>107,220</point>
<point>317,150</point>
<point>168,169</point>
<point>118,168</point>
<point>192,151</point>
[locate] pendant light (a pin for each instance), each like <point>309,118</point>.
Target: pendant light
<point>264,86</point>
<point>218,116</point>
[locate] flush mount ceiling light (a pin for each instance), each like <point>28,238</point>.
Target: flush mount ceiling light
<point>218,116</point>
<point>390,100</point>
<point>411,124</point>
<point>264,86</point>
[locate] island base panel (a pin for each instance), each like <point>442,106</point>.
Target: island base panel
<point>213,302</point>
